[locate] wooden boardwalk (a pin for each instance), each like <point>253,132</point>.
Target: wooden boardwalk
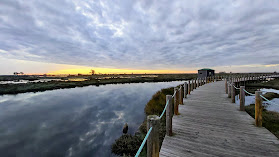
<point>210,125</point>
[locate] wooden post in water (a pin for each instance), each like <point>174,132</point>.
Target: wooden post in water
<point>176,101</point>
<point>258,109</point>
<point>189,87</point>
<point>169,115</point>
<point>185,89</point>
<point>153,139</point>
<point>233,92</point>
<point>229,92</point>
<point>242,98</point>
<point>226,86</point>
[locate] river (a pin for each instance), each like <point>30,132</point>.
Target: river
<point>81,121</point>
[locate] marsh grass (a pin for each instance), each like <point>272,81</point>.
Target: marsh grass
<point>269,84</point>
<point>270,119</point>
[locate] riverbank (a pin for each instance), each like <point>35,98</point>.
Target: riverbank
<point>91,80</point>
<point>129,144</point>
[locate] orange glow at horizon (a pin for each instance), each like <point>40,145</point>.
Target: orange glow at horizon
<point>113,71</point>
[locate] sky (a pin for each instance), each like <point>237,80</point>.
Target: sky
<point>153,36</point>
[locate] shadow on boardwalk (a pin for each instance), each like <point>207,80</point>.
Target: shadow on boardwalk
<point>210,125</point>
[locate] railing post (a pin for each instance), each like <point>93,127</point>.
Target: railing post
<point>242,98</point>
<point>153,139</point>
<point>229,92</point>
<point>258,109</point>
<point>180,95</point>
<point>192,85</point>
<point>169,115</point>
<point>195,85</point>
<point>185,89</point>
<point>226,86</point>
<point>233,92</point>
<point>189,87</point>
<point>176,101</point>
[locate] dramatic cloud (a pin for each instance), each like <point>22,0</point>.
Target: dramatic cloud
<point>142,34</point>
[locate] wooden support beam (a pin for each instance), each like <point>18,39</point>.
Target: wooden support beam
<point>185,89</point>
<point>233,92</point>
<point>169,115</point>
<point>189,87</point>
<point>229,92</point>
<point>258,109</point>
<point>242,98</point>
<point>226,86</point>
<point>176,101</point>
<point>181,95</point>
<point>153,143</point>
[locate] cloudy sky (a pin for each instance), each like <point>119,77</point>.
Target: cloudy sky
<point>39,36</point>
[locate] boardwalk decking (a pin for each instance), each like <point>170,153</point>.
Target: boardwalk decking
<point>210,125</point>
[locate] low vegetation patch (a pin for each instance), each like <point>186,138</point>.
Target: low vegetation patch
<point>271,95</point>
<point>269,84</point>
<point>270,119</point>
<point>126,145</point>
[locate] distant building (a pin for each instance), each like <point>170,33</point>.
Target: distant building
<point>202,73</point>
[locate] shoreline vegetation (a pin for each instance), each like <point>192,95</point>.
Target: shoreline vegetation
<point>270,118</point>
<point>155,106</point>
<point>72,82</point>
<point>269,84</point>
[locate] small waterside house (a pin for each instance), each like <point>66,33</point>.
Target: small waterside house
<point>202,73</point>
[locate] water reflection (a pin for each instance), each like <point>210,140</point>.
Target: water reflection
<point>274,106</point>
<point>72,122</point>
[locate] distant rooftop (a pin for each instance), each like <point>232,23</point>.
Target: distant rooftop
<point>206,69</point>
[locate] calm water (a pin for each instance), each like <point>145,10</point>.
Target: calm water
<point>274,106</point>
<point>72,122</point>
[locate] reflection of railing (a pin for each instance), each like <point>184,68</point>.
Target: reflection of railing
<point>231,85</point>
<point>171,108</point>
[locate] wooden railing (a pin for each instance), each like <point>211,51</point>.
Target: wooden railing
<point>238,83</point>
